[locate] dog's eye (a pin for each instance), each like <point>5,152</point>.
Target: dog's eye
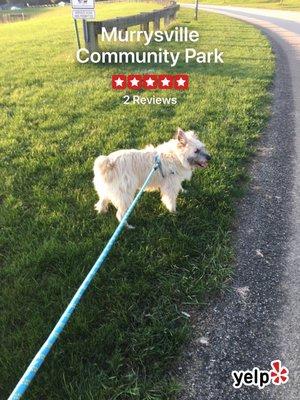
<point>197,151</point>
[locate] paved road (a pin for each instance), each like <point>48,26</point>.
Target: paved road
<point>258,320</point>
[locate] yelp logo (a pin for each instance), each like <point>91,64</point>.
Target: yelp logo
<point>261,378</point>
<point>279,374</point>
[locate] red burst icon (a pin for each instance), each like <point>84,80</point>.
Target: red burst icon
<point>279,374</point>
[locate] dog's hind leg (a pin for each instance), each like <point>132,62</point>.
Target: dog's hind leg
<point>120,215</point>
<point>102,205</point>
<point>122,207</point>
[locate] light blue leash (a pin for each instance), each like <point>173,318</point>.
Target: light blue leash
<point>44,350</point>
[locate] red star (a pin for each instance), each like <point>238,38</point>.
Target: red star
<point>165,81</point>
<point>118,82</point>
<point>150,81</point>
<point>181,82</point>
<point>134,82</point>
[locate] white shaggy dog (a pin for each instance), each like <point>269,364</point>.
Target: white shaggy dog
<point>119,175</point>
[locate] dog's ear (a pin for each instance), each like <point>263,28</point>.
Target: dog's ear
<point>181,137</point>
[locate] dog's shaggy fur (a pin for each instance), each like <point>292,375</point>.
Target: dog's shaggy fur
<point>119,175</point>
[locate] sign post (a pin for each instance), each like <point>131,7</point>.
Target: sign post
<point>82,9</point>
<point>196,9</point>
<point>77,33</point>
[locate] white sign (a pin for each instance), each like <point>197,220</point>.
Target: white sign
<point>83,14</point>
<point>83,4</point>
<point>83,9</point>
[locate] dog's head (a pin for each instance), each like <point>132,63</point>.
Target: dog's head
<point>191,152</point>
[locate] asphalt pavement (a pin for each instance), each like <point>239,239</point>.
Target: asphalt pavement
<point>258,319</point>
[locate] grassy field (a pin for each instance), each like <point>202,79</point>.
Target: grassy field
<point>55,117</point>
<point>293,5</point>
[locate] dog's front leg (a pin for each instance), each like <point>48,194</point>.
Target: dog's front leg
<point>183,190</point>
<point>169,196</point>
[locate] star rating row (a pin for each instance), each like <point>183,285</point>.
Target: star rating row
<point>150,81</point>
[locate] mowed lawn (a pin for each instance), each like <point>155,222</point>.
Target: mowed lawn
<point>55,117</point>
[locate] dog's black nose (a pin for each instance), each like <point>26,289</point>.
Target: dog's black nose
<point>208,157</point>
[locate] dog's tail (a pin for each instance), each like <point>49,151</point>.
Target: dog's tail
<point>104,166</point>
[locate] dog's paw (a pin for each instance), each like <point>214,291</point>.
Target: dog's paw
<point>171,209</point>
<point>128,226</point>
<point>100,207</point>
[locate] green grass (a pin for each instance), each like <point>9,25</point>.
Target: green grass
<point>55,117</point>
<point>32,11</point>
<point>292,5</point>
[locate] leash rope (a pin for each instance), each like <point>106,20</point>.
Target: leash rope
<point>39,358</point>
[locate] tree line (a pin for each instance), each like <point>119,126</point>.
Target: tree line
<point>29,2</point>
